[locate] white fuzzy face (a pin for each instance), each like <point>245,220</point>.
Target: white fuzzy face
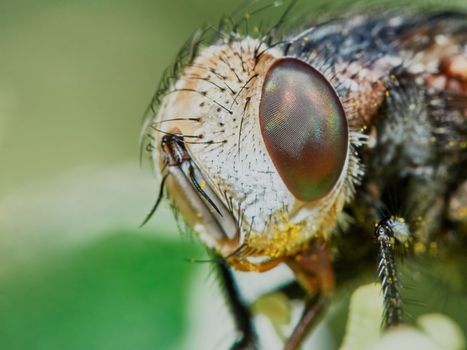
<point>215,105</point>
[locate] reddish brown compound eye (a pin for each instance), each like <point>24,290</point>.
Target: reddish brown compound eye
<point>304,127</point>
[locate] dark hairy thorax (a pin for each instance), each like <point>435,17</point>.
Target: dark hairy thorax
<point>410,97</point>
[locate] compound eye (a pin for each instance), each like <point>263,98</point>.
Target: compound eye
<point>304,127</point>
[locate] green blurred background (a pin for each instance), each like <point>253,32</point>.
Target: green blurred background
<point>75,270</point>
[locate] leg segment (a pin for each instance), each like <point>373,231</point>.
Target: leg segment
<point>240,312</point>
<point>313,270</point>
<point>387,232</point>
<point>314,307</point>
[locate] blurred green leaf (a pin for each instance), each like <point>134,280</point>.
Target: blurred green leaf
<point>124,292</point>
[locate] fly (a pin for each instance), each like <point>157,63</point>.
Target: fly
<point>282,148</point>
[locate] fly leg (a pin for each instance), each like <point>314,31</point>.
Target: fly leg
<point>313,270</point>
<point>240,312</point>
<point>314,307</point>
<point>388,232</point>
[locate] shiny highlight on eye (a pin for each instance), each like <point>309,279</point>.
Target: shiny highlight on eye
<point>304,127</point>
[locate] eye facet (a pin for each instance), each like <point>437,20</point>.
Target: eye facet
<point>304,127</point>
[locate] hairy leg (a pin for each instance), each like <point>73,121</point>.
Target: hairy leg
<point>388,232</point>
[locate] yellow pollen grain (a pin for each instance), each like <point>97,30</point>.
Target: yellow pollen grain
<point>202,184</point>
<point>282,242</point>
